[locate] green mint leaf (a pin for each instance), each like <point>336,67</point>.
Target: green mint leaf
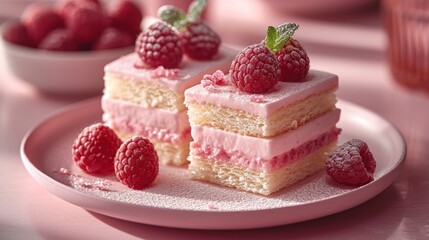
<point>195,10</point>
<point>180,24</point>
<point>284,33</point>
<point>171,14</point>
<point>270,39</point>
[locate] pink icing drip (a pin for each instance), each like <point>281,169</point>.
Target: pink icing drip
<point>162,135</point>
<point>267,165</point>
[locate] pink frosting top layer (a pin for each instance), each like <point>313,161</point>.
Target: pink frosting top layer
<point>283,94</point>
<point>190,71</point>
<point>154,123</point>
<point>265,148</point>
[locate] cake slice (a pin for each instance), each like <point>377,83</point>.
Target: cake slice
<point>231,148</point>
<point>255,129</point>
<point>149,102</point>
<point>144,91</point>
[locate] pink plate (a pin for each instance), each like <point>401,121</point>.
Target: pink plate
<point>176,201</point>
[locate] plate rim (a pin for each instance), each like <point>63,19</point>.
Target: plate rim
<point>42,178</point>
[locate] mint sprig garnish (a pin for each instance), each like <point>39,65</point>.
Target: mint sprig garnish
<point>178,18</point>
<point>170,14</point>
<point>277,37</point>
<point>195,10</point>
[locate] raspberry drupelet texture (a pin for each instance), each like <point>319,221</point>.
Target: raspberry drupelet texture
<point>199,41</point>
<point>136,163</point>
<point>351,163</point>
<point>293,62</point>
<point>95,148</point>
<point>255,69</point>
<point>159,45</point>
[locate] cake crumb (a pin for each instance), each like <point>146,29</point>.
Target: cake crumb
<point>257,99</point>
<point>161,72</point>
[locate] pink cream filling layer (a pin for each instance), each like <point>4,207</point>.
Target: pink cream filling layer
<point>190,71</point>
<point>158,124</point>
<point>283,94</point>
<point>266,148</point>
<point>239,158</point>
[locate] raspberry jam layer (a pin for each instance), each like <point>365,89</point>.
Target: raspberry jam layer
<point>242,159</point>
<point>266,148</point>
<point>283,94</point>
<point>190,71</point>
<point>153,123</point>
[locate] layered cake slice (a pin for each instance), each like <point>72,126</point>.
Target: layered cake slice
<point>254,133</point>
<point>144,91</point>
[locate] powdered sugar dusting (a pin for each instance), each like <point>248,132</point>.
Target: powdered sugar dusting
<point>174,190</point>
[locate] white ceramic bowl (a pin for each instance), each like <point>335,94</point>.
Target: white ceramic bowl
<point>60,73</point>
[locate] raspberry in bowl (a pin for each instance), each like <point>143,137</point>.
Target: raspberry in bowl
<point>61,49</point>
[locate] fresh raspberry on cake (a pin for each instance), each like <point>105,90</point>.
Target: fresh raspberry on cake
<point>16,32</point>
<point>255,69</point>
<point>95,148</point>
<point>293,60</point>
<point>113,38</point>
<point>59,40</point>
<point>126,16</point>
<point>199,41</point>
<point>136,163</point>
<point>159,45</point>
<point>351,163</point>
<point>40,19</point>
<point>86,24</point>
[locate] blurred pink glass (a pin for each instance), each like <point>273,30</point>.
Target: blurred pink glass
<point>407,28</point>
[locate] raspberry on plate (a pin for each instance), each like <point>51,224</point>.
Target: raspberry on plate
<point>351,163</point>
<point>199,41</point>
<point>159,45</point>
<point>126,16</point>
<point>40,19</point>
<point>95,148</point>
<point>16,32</point>
<point>136,163</point>
<point>255,69</point>
<point>113,38</point>
<point>59,40</point>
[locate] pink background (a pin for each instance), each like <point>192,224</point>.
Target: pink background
<point>350,44</point>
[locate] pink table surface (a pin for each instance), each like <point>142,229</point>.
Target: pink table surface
<point>351,46</point>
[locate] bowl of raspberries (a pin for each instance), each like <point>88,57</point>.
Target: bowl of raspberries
<point>62,48</point>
